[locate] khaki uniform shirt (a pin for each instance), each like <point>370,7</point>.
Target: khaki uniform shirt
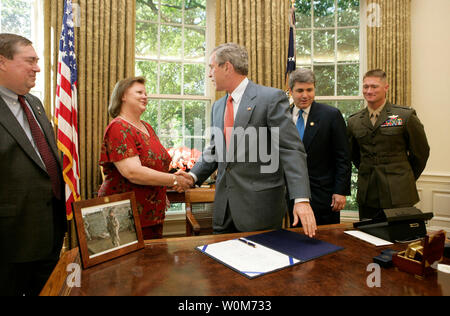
<point>390,156</point>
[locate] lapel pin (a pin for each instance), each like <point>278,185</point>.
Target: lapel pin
<point>249,108</point>
<point>311,124</point>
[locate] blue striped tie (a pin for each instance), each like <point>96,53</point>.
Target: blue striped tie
<point>300,124</point>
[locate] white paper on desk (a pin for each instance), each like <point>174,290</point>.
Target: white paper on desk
<point>368,238</point>
<point>251,262</point>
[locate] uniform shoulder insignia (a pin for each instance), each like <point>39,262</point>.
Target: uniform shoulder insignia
<point>403,107</point>
<point>356,113</point>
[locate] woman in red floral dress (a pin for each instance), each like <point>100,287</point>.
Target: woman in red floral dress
<point>133,159</point>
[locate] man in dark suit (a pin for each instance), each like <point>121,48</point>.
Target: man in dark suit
<point>32,211</point>
<point>250,122</point>
<point>323,132</point>
<point>389,147</point>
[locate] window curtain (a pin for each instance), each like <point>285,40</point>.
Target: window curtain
<point>389,45</point>
<point>105,48</point>
<point>262,26</point>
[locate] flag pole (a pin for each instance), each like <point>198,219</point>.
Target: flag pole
<point>291,58</point>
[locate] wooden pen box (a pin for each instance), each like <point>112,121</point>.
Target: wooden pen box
<point>419,256</point>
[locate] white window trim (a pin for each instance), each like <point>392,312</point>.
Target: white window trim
<point>175,221</point>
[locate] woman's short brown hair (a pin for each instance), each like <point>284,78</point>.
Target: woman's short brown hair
<point>119,90</point>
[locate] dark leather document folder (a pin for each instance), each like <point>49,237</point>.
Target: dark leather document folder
<point>295,245</point>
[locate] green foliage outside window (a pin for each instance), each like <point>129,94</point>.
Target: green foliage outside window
<point>171,55</point>
<point>15,17</point>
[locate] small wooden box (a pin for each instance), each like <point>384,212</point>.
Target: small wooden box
<point>419,256</point>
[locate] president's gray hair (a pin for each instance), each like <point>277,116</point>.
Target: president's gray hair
<point>235,54</point>
<point>301,75</point>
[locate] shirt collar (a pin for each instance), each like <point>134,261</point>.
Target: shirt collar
<point>296,110</point>
<point>8,95</point>
<point>239,91</point>
<point>377,111</point>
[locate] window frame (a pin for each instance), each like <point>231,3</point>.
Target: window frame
<point>208,96</point>
<point>336,63</point>
<point>346,214</point>
<point>176,219</point>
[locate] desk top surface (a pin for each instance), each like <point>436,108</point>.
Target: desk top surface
<point>173,267</point>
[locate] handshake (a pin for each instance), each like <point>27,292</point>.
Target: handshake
<point>184,181</point>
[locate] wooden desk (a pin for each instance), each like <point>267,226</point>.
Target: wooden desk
<point>174,267</point>
<point>175,197</point>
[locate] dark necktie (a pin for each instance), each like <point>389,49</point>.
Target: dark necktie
<point>228,120</point>
<point>301,124</point>
<point>44,149</point>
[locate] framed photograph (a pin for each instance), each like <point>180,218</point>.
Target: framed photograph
<point>107,227</point>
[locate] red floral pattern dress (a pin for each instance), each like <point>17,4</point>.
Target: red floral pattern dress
<point>123,140</point>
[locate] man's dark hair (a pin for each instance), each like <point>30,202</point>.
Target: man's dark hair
<point>9,42</point>
<point>378,73</point>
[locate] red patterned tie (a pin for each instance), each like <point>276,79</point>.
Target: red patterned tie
<point>228,120</point>
<point>44,149</point>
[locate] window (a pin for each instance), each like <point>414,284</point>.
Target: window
<point>171,55</point>
<point>25,18</point>
<point>328,37</point>
<point>172,42</point>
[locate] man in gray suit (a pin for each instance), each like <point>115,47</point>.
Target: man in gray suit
<point>32,210</point>
<point>256,149</point>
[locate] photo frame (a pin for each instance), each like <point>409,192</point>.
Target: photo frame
<point>107,227</point>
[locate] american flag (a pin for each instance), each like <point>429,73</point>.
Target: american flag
<point>291,63</point>
<point>67,109</point>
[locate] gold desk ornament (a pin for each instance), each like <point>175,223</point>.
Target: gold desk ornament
<point>421,255</point>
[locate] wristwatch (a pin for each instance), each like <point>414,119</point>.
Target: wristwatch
<point>175,182</point>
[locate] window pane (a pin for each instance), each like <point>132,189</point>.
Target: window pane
<point>171,42</point>
<point>146,40</point>
<point>348,45</point>
<point>348,80</point>
<point>302,13</point>
<point>348,12</point>
<point>147,10</point>
<point>349,107</point>
<point>325,80</point>
<point>194,44</point>
<point>170,78</point>
<point>194,79</point>
<point>149,70</point>
<point>195,143</point>
<point>324,49</point>
<point>151,114</point>
<point>16,17</point>
<point>303,47</point>
<point>171,142</point>
<point>171,11</point>
<point>195,117</point>
<point>176,207</point>
<point>324,13</point>
<point>171,119</point>
<point>195,12</point>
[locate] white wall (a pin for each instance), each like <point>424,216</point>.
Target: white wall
<point>430,52</point>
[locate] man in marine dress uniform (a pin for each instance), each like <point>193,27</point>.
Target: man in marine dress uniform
<point>389,147</point>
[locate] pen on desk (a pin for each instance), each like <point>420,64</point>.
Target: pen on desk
<point>247,242</point>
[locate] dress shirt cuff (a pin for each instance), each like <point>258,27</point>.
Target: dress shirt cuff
<point>299,200</point>
<point>193,176</point>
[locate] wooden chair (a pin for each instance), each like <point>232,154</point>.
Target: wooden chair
<point>199,209</point>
